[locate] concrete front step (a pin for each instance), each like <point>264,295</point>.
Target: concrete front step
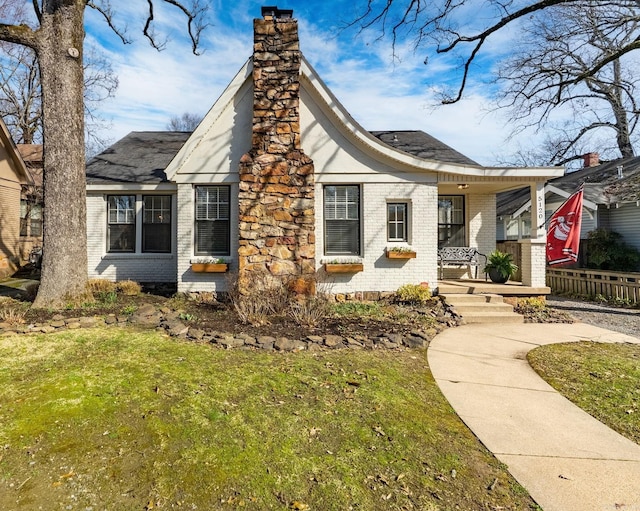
<point>482,308</point>
<point>493,317</point>
<point>457,298</point>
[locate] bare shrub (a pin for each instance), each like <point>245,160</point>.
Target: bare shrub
<point>13,315</point>
<point>308,311</point>
<point>260,296</point>
<point>128,288</point>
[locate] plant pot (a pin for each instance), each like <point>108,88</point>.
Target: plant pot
<point>343,267</point>
<point>405,254</point>
<point>497,277</point>
<point>209,267</point>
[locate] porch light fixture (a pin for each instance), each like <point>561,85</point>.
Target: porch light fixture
<point>462,186</point>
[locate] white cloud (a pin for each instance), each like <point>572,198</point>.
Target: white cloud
<point>379,93</point>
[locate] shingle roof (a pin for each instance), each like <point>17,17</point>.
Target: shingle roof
<point>422,145</point>
<point>140,157</point>
<point>601,185</point>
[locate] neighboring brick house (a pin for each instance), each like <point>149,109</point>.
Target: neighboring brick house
<point>279,178</point>
<point>13,178</point>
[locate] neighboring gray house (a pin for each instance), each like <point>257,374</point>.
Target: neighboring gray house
<point>611,200</point>
<point>279,178</point>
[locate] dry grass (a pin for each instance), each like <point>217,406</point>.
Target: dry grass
<point>128,288</point>
<point>101,286</point>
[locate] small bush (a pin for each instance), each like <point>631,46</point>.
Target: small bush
<point>606,250</point>
<point>100,286</point>
<point>128,288</point>
<point>414,293</point>
<point>360,309</point>
<point>107,297</point>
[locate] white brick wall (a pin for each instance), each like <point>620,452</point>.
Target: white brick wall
<point>380,273</point>
<point>481,212</point>
<point>134,266</point>
<point>533,264</point>
<point>187,279</point>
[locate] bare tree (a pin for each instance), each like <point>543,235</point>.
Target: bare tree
<point>56,35</point>
<point>184,122</point>
<point>563,45</point>
<point>20,96</point>
<point>456,28</point>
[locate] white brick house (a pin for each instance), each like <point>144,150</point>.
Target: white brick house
<point>279,178</point>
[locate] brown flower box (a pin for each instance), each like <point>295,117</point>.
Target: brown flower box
<point>343,267</point>
<point>404,254</point>
<point>209,267</point>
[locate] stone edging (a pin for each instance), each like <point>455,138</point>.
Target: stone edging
<point>169,321</point>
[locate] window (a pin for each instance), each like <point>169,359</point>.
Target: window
<point>451,221</point>
<point>342,220</point>
<point>156,223</point>
<point>30,218</point>
<point>397,221</point>
<point>122,223</point>
<point>212,221</point>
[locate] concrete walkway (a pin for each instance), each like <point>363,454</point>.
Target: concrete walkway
<point>566,459</point>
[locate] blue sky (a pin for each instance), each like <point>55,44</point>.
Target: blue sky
<point>380,92</point>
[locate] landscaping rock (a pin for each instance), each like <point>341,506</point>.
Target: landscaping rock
<point>332,340</point>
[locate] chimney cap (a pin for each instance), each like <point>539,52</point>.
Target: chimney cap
<point>272,12</point>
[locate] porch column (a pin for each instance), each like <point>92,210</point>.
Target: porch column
<point>533,265</point>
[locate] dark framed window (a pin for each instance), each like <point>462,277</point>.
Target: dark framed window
<point>397,221</point>
<point>156,223</point>
<point>451,231</point>
<point>121,219</point>
<point>30,218</point>
<point>212,221</point>
<point>342,230</point>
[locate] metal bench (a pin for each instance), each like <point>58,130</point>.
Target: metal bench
<point>460,256</point>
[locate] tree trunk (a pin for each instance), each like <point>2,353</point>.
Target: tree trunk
<point>59,49</point>
<point>623,136</point>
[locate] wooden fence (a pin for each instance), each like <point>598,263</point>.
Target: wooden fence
<point>610,284</point>
<point>513,248</point>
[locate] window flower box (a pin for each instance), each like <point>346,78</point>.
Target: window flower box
<point>343,267</point>
<point>400,253</point>
<point>210,266</point>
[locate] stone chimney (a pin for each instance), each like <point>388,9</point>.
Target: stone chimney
<point>591,159</point>
<point>276,196</point>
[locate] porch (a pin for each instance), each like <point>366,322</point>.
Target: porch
<point>477,286</point>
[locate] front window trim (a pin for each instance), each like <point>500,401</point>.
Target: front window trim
<point>214,212</point>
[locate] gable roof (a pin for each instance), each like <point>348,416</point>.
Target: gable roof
<point>141,157</point>
<point>601,185</point>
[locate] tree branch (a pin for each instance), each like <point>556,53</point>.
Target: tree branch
<point>107,14</point>
<point>19,34</point>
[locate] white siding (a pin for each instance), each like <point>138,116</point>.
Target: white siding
<point>138,266</point>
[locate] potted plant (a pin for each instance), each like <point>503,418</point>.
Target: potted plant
<point>500,267</point>
<point>400,253</point>
<point>340,266</point>
<point>209,265</point>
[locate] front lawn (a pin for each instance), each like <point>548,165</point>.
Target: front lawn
<point>602,379</point>
<point>119,419</point>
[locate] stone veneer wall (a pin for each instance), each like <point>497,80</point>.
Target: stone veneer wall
<point>276,192</point>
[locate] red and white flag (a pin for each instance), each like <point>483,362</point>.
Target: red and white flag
<point>563,234</point>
